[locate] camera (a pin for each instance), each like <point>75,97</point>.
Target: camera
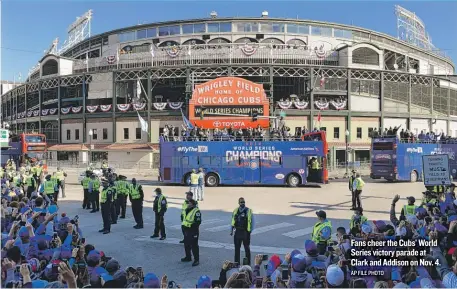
<point>258,282</point>
<point>75,220</point>
<point>285,272</point>
<point>264,257</point>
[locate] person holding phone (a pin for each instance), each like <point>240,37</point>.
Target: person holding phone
<point>322,231</point>
<point>242,224</point>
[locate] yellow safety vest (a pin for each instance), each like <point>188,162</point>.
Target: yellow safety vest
<point>49,187</point>
<point>189,219</point>
<point>29,180</point>
<point>249,216</point>
<point>360,184</point>
<point>194,179</point>
<point>363,219</point>
<point>438,189</point>
<point>85,182</point>
<point>134,192</point>
<point>95,185</point>
<point>54,179</point>
<point>315,165</point>
<point>159,203</point>
<point>122,187</point>
<point>409,210</point>
<point>104,195</point>
<point>316,237</point>
<point>60,175</point>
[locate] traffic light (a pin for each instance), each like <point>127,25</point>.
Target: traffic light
<point>255,115</point>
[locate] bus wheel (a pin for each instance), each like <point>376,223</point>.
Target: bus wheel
<point>186,179</point>
<point>212,180</point>
<point>413,177</point>
<point>293,180</point>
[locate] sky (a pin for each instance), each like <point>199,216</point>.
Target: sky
<point>28,27</point>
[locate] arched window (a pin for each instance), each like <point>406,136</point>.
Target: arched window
<point>50,67</point>
<point>364,55</point>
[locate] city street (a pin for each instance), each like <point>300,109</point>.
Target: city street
<point>284,218</point>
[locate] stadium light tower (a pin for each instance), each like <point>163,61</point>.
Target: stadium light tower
<point>78,31</point>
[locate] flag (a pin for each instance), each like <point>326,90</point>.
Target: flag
<point>87,61</point>
<point>322,81</point>
<point>151,50</point>
<point>144,124</point>
<point>138,88</point>
<point>189,51</point>
<point>186,121</point>
<point>319,117</point>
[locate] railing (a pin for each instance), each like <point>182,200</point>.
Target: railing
<point>216,54</point>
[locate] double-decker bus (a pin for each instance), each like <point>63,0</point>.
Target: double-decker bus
<point>395,160</point>
<point>246,162</point>
<point>26,148</point>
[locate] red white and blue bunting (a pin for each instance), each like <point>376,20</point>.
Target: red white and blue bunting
<point>91,108</point>
<point>321,53</point>
<point>44,112</point>
<point>139,106</point>
<point>321,104</point>
<point>339,105</point>
<point>123,107</point>
<point>160,105</point>
<point>111,59</point>
<point>173,51</point>
<point>285,104</point>
<point>65,110</point>
<point>36,113</point>
<point>29,113</point>
<point>301,104</point>
<point>52,111</point>
<point>248,49</point>
<point>76,109</point>
<point>175,105</point>
<point>105,107</point>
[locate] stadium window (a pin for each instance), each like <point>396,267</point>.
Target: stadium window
<point>298,29</point>
<point>247,27</point>
<point>321,31</point>
<point>127,36</point>
<point>77,134</point>
<point>152,32</point>
<point>169,30</point>
<point>339,33</point>
<point>68,134</point>
<point>126,133</point>
<point>94,133</point>
<point>359,132</point>
<point>138,132</point>
<point>105,133</point>
<point>336,133</point>
<point>225,27</point>
<point>200,28</point>
<point>188,29</point>
<point>272,27</point>
<point>140,34</point>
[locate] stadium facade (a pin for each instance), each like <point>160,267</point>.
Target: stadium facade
<point>353,79</point>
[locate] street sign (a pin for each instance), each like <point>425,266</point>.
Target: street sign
<point>436,170</point>
<point>4,137</point>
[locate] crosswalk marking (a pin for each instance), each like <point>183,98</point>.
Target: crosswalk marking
<point>217,245</point>
<point>225,227</point>
<point>207,222</point>
<point>270,228</point>
<point>299,233</point>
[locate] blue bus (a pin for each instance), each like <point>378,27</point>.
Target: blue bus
<point>12,151</point>
<point>394,160</point>
<point>246,162</point>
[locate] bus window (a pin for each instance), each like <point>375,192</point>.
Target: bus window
<point>383,146</point>
<point>176,162</point>
<point>205,161</point>
<point>185,161</point>
<point>292,162</point>
<point>273,163</point>
<point>215,161</point>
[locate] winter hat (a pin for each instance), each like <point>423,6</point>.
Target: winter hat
<point>151,281</point>
<point>380,225</point>
<point>39,284</point>
<point>311,248</point>
<point>426,283</point>
<point>94,256</point>
<point>366,229</point>
<point>299,263</point>
<point>204,282</point>
<point>112,266</point>
<point>401,285</point>
<point>23,232</point>
<point>334,275</point>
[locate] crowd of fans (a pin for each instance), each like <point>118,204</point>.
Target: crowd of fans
<point>408,136</point>
<point>43,247</point>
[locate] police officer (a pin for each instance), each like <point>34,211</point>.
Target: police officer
<point>201,185</point>
<point>49,187</point>
<point>122,189</point>
<point>30,184</point>
<point>85,184</point>
<point>61,175</point>
<point>107,199</point>
<point>160,207</point>
<point>189,196</point>
<point>322,232</point>
<point>358,187</point>
<point>242,224</point>
<point>410,209</point>
<point>56,186</point>
<point>94,193</point>
<point>113,204</point>
<point>136,196</point>
<point>351,188</point>
<point>194,183</point>
<point>191,223</point>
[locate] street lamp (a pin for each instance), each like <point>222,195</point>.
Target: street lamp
<point>90,145</point>
<point>347,152</point>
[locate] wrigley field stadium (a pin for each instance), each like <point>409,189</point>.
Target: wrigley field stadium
<point>90,94</point>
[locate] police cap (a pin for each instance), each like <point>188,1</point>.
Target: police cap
<point>158,190</point>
